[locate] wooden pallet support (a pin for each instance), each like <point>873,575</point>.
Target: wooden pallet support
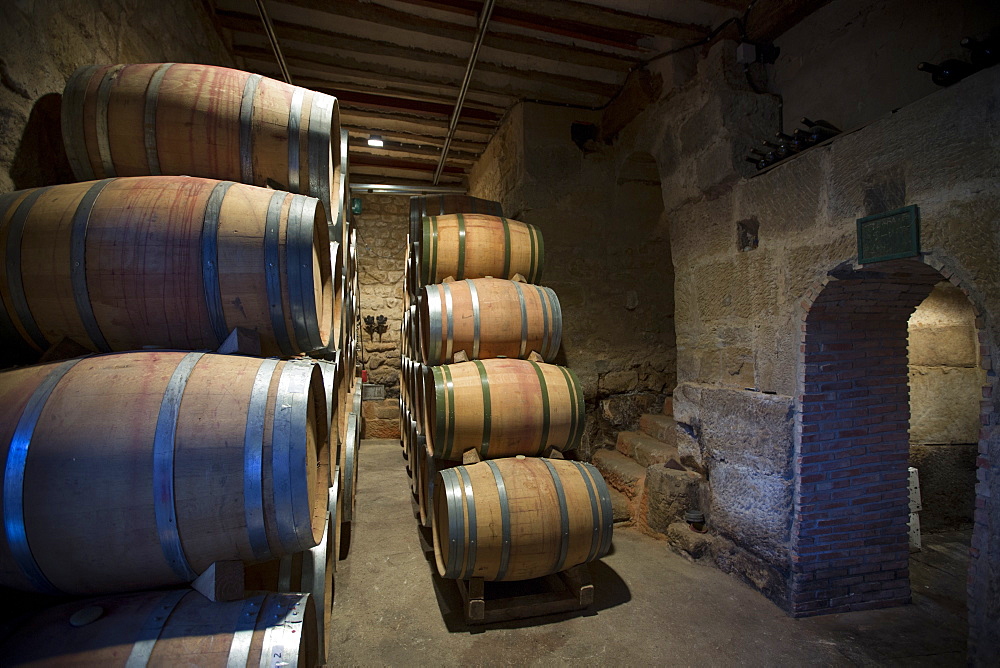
<point>222,581</point>
<point>570,590</point>
<point>241,341</point>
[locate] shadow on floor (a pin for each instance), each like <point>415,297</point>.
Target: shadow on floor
<point>609,590</point>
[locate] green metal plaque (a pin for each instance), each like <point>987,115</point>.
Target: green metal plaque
<point>889,236</point>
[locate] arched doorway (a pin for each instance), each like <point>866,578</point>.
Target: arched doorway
<point>850,534</point>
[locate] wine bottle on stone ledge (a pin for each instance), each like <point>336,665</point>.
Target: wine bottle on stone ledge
<point>949,72</point>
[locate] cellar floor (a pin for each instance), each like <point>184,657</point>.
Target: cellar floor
<point>652,607</point>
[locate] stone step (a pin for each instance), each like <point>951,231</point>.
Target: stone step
<point>661,427</point>
<point>669,494</point>
<point>621,507</point>
<point>645,449</point>
<point>620,472</point>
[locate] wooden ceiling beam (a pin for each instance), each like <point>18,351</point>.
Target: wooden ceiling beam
<point>411,138</point>
<point>739,5</point>
<point>352,99</point>
<point>361,160</point>
<point>244,23</point>
<point>381,121</point>
<point>356,80</point>
<point>360,148</point>
<point>511,42</point>
<point>546,82</point>
<point>340,89</point>
<point>578,20</point>
<point>769,19</point>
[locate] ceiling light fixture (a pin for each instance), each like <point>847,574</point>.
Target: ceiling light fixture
<point>376,141</point>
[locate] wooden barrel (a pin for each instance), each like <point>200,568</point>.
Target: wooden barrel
<point>201,120</point>
<point>169,628</point>
<point>166,261</point>
<point>519,518</point>
<point>349,466</point>
<point>310,571</point>
<point>337,309</point>
<point>440,205</point>
<point>501,408</point>
<point>139,470</point>
<point>477,245</point>
<point>332,373</point>
<point>339,225</point>
<point>425,489</point>
<point>508,319</point>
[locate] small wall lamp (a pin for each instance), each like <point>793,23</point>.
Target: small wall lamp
<point>376,141</point>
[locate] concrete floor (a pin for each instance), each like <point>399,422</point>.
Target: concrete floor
<point>652,607</point>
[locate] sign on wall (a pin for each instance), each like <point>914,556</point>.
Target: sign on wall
<point>889,236</point>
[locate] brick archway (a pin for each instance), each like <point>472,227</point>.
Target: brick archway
<point>849,537</point>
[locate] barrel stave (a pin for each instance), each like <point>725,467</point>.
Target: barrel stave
<point>181,628</point>
<point>92,482</point>
<point>519,518</point>
<point>501,408</point>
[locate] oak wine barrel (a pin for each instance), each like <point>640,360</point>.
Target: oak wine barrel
<point>310,571</point>
<point>425,485</point>
<point>349,466</point>
<point>501,408</point>
<point>167,629</point>
<point>476,246</point>
<point>440,205</point>
<point>166,261</point>
<point>139,470</point>
<point>202,120</point>
<point>332,378</point>
<point>508,319</point>
<point>519,518</point>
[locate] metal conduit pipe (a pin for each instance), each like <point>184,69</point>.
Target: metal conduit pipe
<point>269,29</point>
<point>484,19</point>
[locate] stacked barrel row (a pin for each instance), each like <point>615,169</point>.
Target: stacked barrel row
<point>484,413</point>
<point>210,216</point>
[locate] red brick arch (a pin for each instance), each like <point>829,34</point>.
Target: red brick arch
<point>849,537</point>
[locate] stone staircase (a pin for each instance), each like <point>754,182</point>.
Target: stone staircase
<point>649,486</point>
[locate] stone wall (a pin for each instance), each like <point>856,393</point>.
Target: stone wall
<point>751,258</point>
<point>853,61</point>
<point>733,303</point>
<point>45,41</point>
<point>382,227</point>
<point>601,217</point>
<point>945,387</point>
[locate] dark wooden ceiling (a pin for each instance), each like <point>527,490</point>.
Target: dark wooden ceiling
<point>397,65</point>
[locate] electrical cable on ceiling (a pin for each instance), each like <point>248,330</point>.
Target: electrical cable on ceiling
<point>273,38</point>
<point>740,22</point>
<point>484,19</point>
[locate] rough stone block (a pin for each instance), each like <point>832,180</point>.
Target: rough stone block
<point>621,506</point>
<point>944,404</point>
<point>947,484</point>
<point>623,410</point>
<point>650,452</point>
<point>681,537</point>
<point>669,494</point>
<point>615,382</point>
<point>620,472</point>
<point>766,575</point>
<point>953,345</point>
<point>645,449</point>
<point>751,429</point>
<point>379,428</point>
<point>661,427</point>
<point>752,507</point>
